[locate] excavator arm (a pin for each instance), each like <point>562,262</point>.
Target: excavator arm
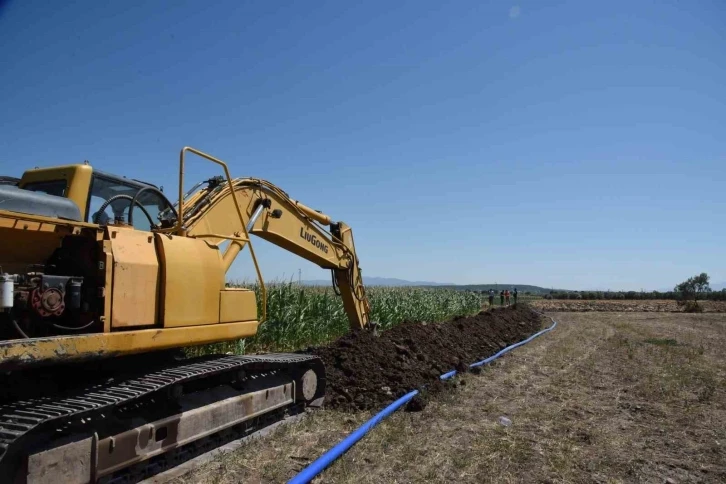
<point>230,210</point>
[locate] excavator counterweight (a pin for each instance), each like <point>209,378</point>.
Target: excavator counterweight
<point>103,281</point>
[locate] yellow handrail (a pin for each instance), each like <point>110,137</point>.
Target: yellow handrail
<point>220,236</point>
<point>180,230</point>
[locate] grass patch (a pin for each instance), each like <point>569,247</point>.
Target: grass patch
<point>662,342</point>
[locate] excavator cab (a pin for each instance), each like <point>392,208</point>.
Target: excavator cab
<point>102,198</point>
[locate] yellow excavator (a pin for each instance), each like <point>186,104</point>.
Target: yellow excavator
<point>103,283</point>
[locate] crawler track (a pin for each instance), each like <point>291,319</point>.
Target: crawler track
<point>176,457</point>
<point>28,423</point>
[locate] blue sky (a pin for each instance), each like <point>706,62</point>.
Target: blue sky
<point>568,144</point>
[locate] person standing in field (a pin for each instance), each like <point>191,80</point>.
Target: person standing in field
<point>515,293</point>
<point>506,296</point>
<point>491,298</point>
<point>501,298</point>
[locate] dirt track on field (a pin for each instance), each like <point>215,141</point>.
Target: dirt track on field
<point>366,372</point>
<point>609,305</point>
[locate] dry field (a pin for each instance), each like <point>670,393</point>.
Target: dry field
<point>605,397</point>
<point>609,305</point>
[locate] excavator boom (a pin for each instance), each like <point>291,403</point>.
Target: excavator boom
<point>228,210</point>
<point>269,213</point>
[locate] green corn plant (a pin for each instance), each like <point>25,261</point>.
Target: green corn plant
<point>299,316</point>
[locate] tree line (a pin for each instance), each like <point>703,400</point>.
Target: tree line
<point>694,288</point>
<point>625,295</point>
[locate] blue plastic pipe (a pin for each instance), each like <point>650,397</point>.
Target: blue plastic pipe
<point>509,348</point>
<point>317,466</point>
<point>307,474</point>
<point>448,375</point>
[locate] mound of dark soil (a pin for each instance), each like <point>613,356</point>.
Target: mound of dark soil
<point>367,372</point>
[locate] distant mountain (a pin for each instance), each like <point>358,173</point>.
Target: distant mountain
<point>393,282</point>
<point>499,287</point>
<point>380,281</point>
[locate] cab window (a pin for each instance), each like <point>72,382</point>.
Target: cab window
<point>111,198</point>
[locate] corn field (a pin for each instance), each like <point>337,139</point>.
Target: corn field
<point>299,316</point>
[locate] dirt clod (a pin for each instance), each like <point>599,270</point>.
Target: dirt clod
<point>409,356</point>
<point>416,404</point>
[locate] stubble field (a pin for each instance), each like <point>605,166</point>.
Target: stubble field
<point>610,305</point>
<point>606,397</point>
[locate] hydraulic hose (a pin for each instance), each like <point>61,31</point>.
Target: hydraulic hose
<point>317,466</point>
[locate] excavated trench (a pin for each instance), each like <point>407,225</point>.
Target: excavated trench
<point>367,372</point>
